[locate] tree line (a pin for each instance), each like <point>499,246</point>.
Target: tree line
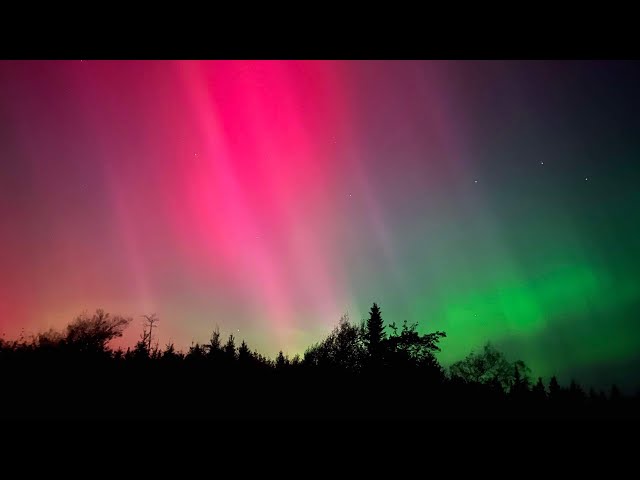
<point>358,370</point>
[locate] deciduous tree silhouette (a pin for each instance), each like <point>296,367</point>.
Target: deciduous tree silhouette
<point>93,333</point>
<point>486,367</point>
<point>409,348</point>
<point>150,322</point>
<point>343,349</point>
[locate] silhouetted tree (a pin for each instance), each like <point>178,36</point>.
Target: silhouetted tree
<point>520,384</point>
<point>261,360</point>
<point>92,334</point>
<point>169,355</point>
<point>344,348</point>
<point>538,391</point>
<point>295,361</point>
<point>281,361</point>
<point>150,322</point>
<point>214,347</point>
<point>408,348</point>
<point>244,354</point>
<point>375,335</point>
<point>141,348</point>
<point>554,389</point>
<point>196,354</point>
<point>230,348</point>
<point>488,367</point>
<point>48,340</point>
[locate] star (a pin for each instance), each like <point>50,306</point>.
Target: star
<point>541,163</point>
<point>586,179</point>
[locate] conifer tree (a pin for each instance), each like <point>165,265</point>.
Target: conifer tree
<point>375,335</point>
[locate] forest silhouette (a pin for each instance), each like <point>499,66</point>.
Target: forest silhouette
<point>366,371</point>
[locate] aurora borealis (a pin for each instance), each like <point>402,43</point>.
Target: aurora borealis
<point>493,200</point>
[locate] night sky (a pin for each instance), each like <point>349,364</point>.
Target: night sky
<point>492,200</point>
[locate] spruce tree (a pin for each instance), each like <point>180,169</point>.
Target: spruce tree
<point>230,348</point>
<point>281,361</point>
<point>244,354</point>
<point>375,334</point>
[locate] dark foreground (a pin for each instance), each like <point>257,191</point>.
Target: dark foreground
<point>147,392</point>
<point>356,372</point>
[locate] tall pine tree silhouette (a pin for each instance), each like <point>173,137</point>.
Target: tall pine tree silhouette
<point>230,348</point>
<point>244,354</point>
<point>375,335</point>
